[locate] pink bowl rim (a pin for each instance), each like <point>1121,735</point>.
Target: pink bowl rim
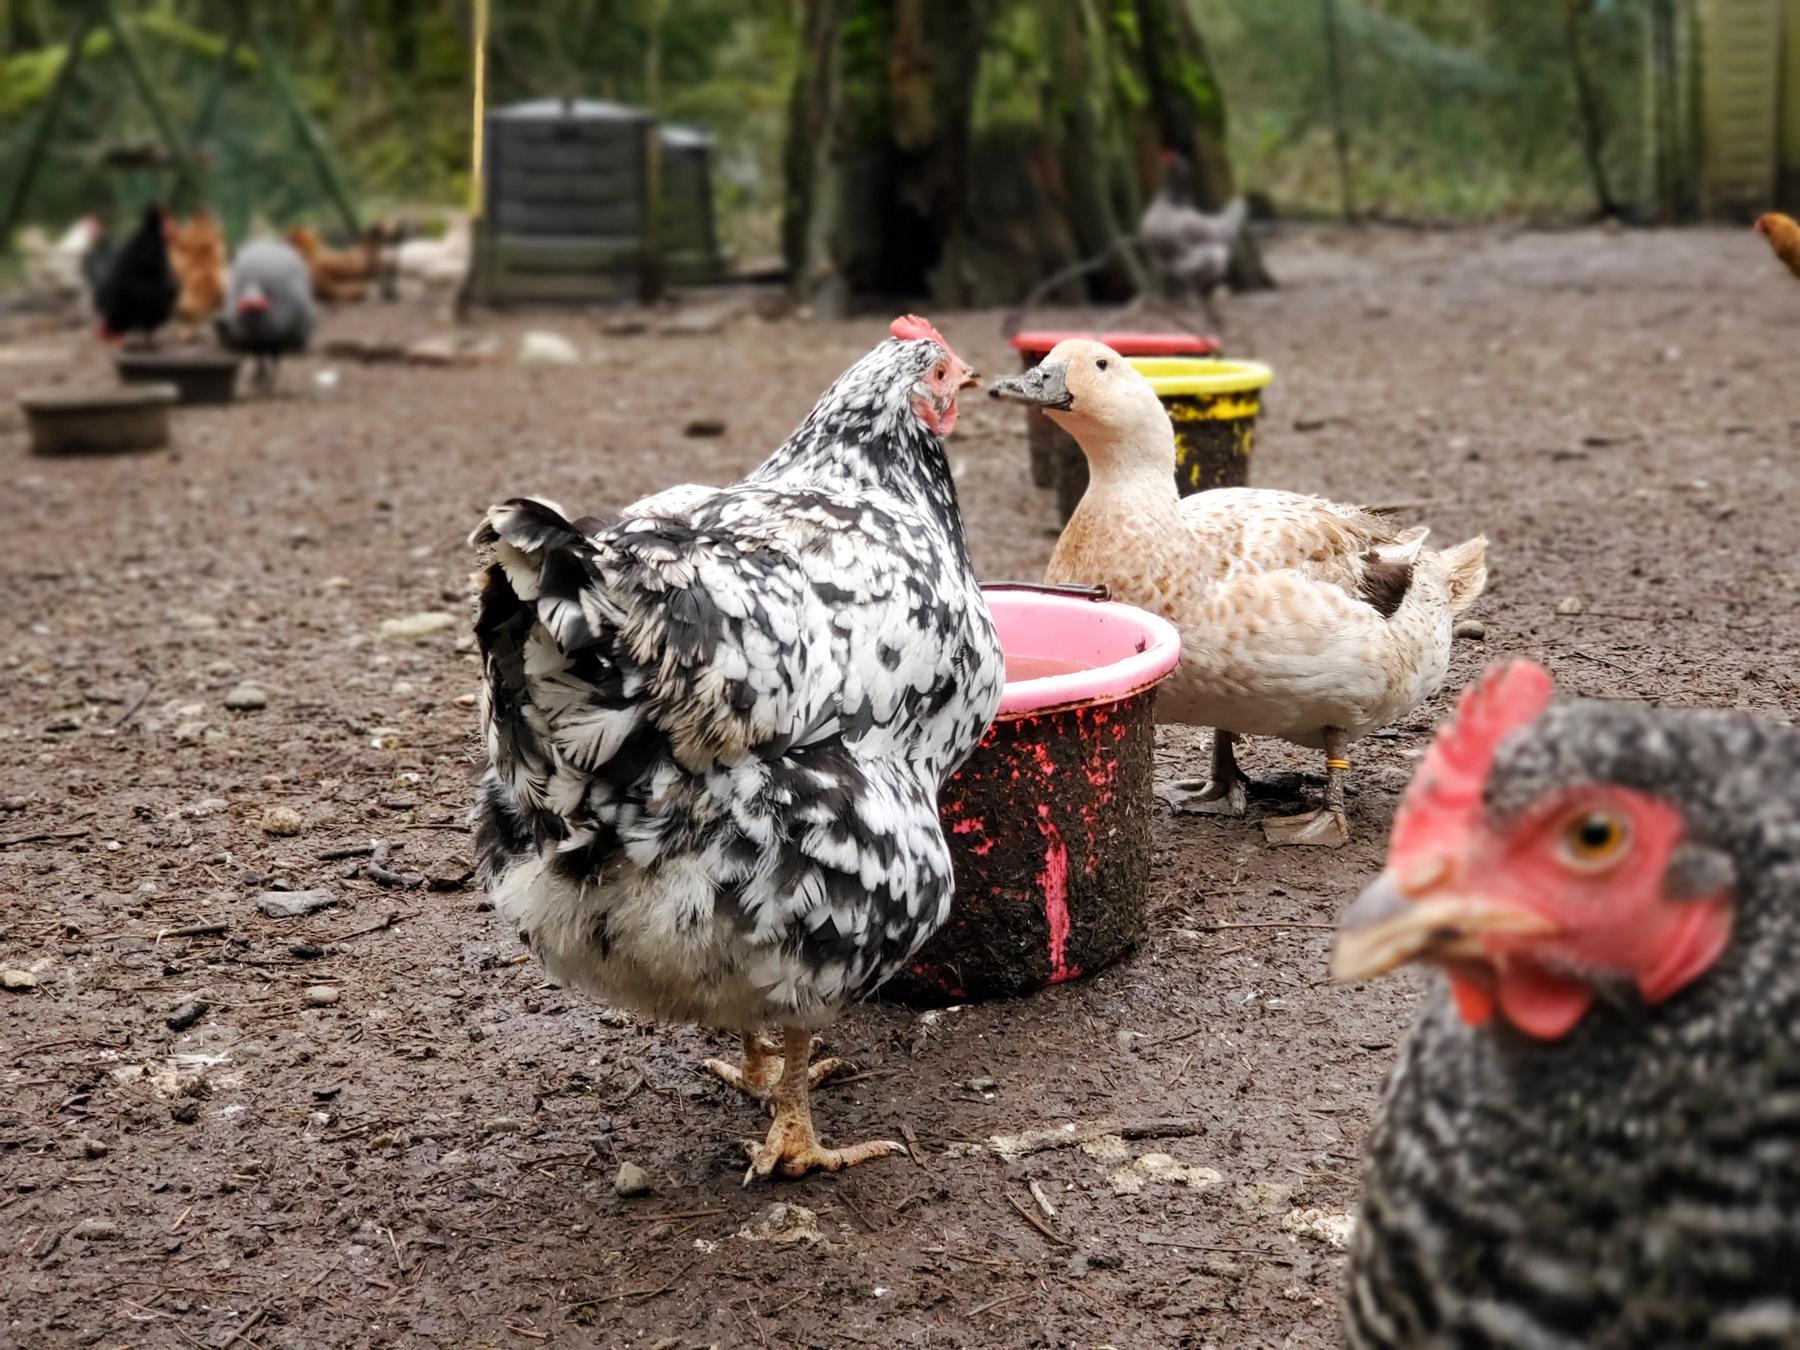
<point>1101,684</point>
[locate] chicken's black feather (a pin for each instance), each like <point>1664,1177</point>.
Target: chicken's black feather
<point>139,291</point>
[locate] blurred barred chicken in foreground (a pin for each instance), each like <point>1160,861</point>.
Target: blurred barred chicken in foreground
<point>716,729</point>
<point>1592,1137</point>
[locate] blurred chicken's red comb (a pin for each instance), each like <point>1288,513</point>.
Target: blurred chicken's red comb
<point>1450,778</point>
<point>909,327</point>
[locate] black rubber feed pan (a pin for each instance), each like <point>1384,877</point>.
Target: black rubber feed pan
<point>198,377</point>
<point>98,421</point>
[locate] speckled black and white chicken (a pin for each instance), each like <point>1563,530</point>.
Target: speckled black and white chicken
<point>717,728</point>
<point>1592,1135</point>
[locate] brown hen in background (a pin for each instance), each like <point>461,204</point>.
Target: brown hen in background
<point>197,253</point>
<point>339,275</point>
<point>1783,236</point>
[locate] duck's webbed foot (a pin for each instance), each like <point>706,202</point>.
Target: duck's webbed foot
<point>1226,793</point>
<point>1326,827</point>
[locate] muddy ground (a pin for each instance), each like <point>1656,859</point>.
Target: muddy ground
<point>429,1159</point>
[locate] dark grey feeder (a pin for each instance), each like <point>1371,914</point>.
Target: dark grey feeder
<point>98,421</point>
<point>198,377</point>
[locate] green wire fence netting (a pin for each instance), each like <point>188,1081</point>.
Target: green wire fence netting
<point>1411,108</point>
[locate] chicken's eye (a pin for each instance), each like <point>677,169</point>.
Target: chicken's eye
<point>1100,364</point>
<point>1594,839</point>
<point>938,372</point>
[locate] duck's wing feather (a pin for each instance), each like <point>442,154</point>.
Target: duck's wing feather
<point>1248,531</point>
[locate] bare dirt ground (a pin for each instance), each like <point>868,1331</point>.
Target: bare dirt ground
<point>426,1155</point>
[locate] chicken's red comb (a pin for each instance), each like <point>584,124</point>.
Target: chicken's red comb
<point>909,327</point>
<point>1449,782</point>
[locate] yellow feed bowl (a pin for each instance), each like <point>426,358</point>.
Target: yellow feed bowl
<point>1213,405</point>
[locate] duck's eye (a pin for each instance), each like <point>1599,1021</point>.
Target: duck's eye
<point>1594,839</point>
<point>1100,364</point>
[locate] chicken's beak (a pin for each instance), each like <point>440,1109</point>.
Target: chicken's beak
<point>1043,386</point>
<point>1386,927</point>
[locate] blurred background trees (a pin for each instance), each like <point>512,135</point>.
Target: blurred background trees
<point>956,149</point>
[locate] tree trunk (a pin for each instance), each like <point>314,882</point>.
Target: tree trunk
<point>1088,204</point>
<point>1190,118</point>
<point>935,56</point>
<point>811,163</point>
<point>1587,100</point>
<point>880,143</point>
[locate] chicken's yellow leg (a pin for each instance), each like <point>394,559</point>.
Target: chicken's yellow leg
<point>791,1147</point>
<point>761,1069</point>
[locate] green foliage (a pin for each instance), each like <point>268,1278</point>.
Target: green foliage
<point>388,83</point>
<point>1456,108</point>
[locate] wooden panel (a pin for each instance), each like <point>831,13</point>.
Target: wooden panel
<point>1740,66</point>
<point>1788,186</point>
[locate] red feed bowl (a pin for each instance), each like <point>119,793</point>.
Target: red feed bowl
<point>1036,343</point>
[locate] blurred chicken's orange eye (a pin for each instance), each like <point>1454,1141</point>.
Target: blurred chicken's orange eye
<point>938,373</point>
<point>1594,839</point>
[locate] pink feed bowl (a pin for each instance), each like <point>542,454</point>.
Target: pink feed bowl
<point>1049,819</point>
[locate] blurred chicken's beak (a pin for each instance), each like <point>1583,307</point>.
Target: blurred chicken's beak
<point>1387,927</point>
<point>1043,386</point>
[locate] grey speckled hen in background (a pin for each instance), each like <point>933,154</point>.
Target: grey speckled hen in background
<point>269,309</point>
<point>717,728</point>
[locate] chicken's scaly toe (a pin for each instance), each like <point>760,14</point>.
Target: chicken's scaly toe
<point>1321,829</point>
<point>793,1150</point>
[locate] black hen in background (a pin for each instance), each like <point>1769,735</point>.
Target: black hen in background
<point>140,288</point>
<point>269,310</point>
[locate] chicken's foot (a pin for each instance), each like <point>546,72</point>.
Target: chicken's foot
<point>1326,827</point>
<point>1225,794</point>
<point>791,1147</point>
<point>758,1075</point>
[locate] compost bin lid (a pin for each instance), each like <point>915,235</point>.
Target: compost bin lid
<point>685,138</point>
<point>579,109</point>
<point>1041,340</point>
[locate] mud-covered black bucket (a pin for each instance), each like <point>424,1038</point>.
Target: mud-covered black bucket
<point>1049,819</point>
